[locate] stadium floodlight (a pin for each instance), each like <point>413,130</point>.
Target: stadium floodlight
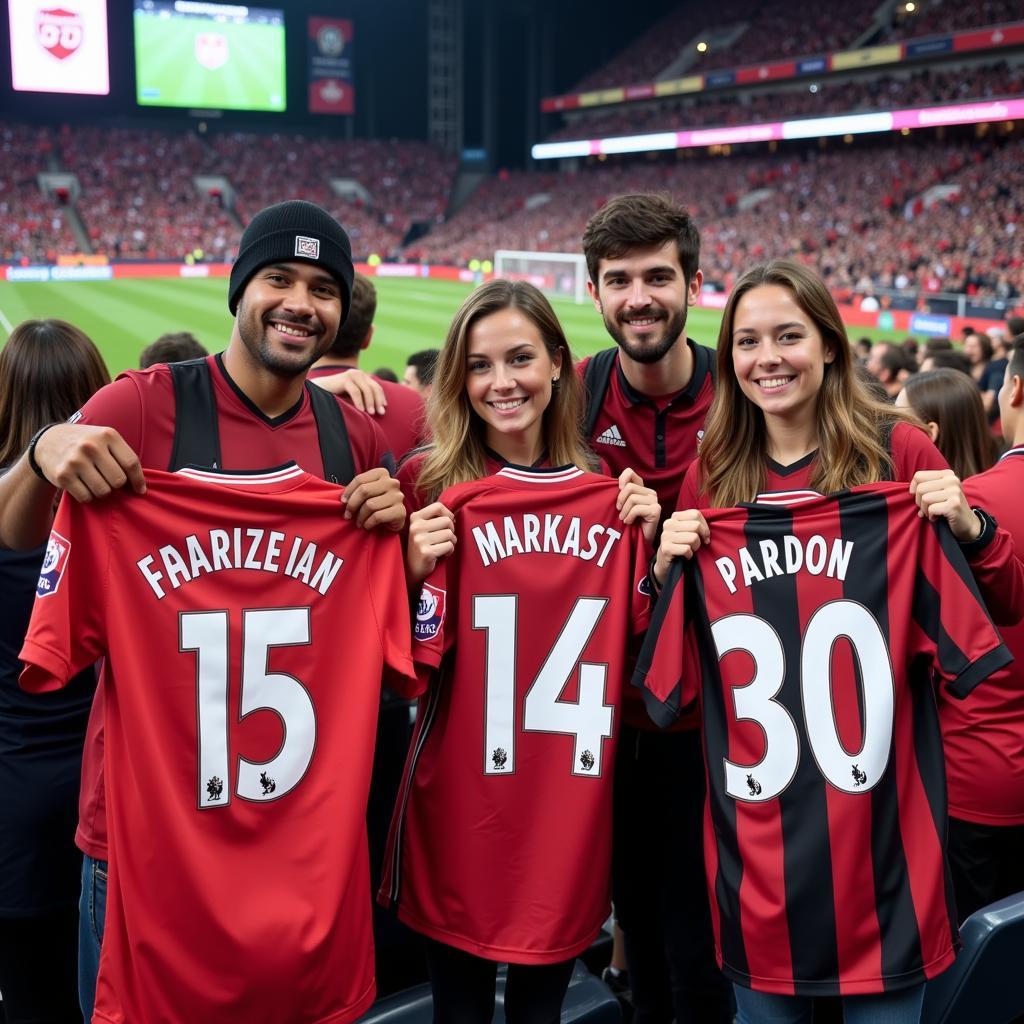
<point>562,275</point>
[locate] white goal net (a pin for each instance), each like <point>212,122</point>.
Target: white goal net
<point>557,274</point>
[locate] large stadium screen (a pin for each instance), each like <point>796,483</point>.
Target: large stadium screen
<point>59,47</point>
<point>209,56</point>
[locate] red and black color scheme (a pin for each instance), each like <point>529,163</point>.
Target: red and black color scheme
<point>812,629</point>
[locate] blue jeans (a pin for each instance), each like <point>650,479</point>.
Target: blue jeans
<point>903,1007</point>
<point>92,911</point>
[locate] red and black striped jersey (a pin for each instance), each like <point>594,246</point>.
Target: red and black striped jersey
<point>501,841</point>
<point>813,629</point>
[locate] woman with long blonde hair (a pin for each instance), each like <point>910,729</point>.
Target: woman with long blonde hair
<point>791,416</point>
<point>505,419</point>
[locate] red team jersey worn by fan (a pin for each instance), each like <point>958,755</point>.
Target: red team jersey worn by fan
<point>245,626</point>
<point>814,629</point>
<point>984,734</point>
<point>501,841</point>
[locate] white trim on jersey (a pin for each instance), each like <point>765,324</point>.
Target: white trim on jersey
<point>245,477</point>
<point>1019,450</point>
<point>540,476</point>
<point>787,497</point>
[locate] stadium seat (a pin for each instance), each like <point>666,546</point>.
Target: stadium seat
<point>588,1001</point>
<point>983,985</point>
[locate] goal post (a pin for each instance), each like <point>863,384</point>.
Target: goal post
<point>558,274</point>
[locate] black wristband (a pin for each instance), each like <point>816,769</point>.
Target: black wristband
<point>987,535</point>
<point>31,451</point>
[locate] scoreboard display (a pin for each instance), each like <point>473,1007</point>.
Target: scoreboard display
<point>209,55</point>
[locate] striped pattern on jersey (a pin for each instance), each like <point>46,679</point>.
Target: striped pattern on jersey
<point>813,635</point>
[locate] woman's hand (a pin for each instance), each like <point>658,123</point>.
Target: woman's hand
<point>431,536</point>
<point>638,503</point>
<point>682,535</point>
<point>939,495</point>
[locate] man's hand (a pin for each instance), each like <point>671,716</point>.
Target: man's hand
<point>362,389</point>
<point>88,462</point>
<point>373,499</point>
<point>681,537</point>
<point>939,495</point>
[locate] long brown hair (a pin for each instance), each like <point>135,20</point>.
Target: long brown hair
<point>456,453</point>
<point>48,369</point>
<point>952,400</point>
<point>850,421</point>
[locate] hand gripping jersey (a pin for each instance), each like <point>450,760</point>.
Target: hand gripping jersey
<point>245,625</point>
<point>501,841</point>
<point>816,627</point>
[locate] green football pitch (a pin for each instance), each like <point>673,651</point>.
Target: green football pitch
<point>124,316</point>
<point>188,62</point>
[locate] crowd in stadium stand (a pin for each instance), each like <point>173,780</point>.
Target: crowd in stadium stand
<point>922,88</point>
<point>811,28</point>
<point>863,216</point>
<point>32,226</point>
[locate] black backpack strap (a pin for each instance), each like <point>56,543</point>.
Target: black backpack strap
<point>335,448</point>
<point>196,431</point>
<point>595,378</point>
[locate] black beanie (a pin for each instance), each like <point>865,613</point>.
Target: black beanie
<point>295,230</point>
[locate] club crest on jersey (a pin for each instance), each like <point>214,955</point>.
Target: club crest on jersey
<point>308,247</point>
<point>268,784</point>
<point>859,777</point>
<point>644,587</point>
<point>215,787</point>
<point>753,785</point>
<point>499,758</point>
<point>587,761</point>
<point>59,31</point>
<point>54,563</point>
<point>429,612</point>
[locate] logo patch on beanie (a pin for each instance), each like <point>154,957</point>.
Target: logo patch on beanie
<point>308,247</point>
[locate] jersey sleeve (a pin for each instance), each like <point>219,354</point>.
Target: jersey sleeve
<point>66,632</point>
<point>640,607</point>
<point>665,668</point>
<point>390,601</point>
<point>956,631</point>
<point>117,405</point>
<point>688,492</point>
<point>434,629</point>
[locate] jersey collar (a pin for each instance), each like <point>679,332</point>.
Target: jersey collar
<point>271,421</point>
<point>701,368</point>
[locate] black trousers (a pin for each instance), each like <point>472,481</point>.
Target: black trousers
<point>659,888</point>
<point>39,968</point>
<point>986,862</point>
<point>464,985</point>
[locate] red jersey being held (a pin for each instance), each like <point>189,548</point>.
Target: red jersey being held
<point>501,842</point>
<point>245,626</point>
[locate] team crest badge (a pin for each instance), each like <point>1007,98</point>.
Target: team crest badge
<point>329,41</point>
<point>59,31</point>
<point>429,612</point>
<point>644,587</point>
<point>211,50</point>
<point>308,247</point>
<point>54,563</point>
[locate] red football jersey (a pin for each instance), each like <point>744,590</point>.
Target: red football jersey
<point>140,406</point>
<point>984,734</point>
<point>245,625</point>
<point>501,842</point>
<point>815,626</point>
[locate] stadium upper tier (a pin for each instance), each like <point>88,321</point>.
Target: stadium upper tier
<point>926,87</point>
<point>934,217</point>
<point>743,32</point>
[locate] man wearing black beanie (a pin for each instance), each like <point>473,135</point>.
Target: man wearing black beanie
<point>247,408</point>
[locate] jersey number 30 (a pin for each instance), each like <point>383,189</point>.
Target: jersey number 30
<point>207,634</point>
<point>588,720</point>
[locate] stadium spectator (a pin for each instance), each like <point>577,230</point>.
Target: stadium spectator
<point>419,371</point>
<point>385,373</point>
<point>862,350</point>
<point>48,369</point>
<point>952,412</point>
<point>822,431</point>
<point>934,344</point>
<point>982,736</point>
<point>978,351</point>
<point>946,358</point>
<point>402,421</point>
<point>287,311</point>
<point>648,399</point>
<point>505,347</point>
<point>172,348</point>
